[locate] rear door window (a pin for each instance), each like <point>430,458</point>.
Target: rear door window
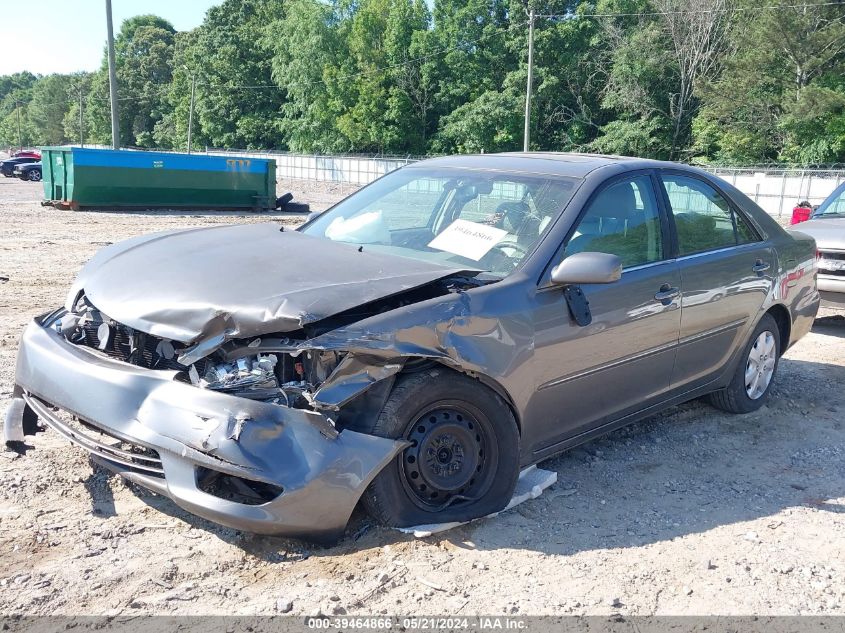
<point>704,220</point>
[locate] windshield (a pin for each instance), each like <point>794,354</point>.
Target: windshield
<point>486,221</point>
<point>833,206</point>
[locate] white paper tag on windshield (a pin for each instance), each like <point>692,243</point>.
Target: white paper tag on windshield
<point>468,239</point>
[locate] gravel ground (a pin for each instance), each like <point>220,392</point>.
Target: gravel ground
<point>688,512</point>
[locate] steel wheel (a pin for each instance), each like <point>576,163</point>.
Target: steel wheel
<point>462,445</point>
<point>760,366</point>
<point>452,457</point>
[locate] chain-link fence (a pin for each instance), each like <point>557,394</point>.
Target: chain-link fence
<point>779,189</point>
<point>776,189</point>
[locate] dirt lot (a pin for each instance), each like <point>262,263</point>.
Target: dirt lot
<point>690,512</point>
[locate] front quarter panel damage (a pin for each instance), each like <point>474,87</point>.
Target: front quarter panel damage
<point>473,332</point>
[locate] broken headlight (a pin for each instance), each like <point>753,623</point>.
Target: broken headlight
<point>282,378</point>
<point>251,377</point>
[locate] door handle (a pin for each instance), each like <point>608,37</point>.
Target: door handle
<point>760,266</point>
<point>666,294</point>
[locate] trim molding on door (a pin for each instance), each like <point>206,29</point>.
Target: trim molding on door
<point>733,325</point>
<point>616,363</point>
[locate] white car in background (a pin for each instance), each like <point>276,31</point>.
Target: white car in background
<point>827,226</point>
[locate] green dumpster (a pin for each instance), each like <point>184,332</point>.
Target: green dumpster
<point>85,177</point>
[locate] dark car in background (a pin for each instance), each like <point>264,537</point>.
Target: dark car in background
<point>458,320</point>
<point>7,167</point>
<point>28,171</point>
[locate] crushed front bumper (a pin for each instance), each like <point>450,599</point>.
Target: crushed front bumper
<point>178,431</point>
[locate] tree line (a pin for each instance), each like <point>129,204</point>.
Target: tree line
<point>721,81</point>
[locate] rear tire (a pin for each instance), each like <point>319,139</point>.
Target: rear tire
<point>34,176</point>
<point>464,459</point>
<point>750,386</point>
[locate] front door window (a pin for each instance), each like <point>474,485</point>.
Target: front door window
<point>623,220</point>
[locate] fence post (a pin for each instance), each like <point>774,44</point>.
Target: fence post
<point>782,194</point>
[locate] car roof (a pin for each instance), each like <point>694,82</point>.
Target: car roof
<point>570,164</point>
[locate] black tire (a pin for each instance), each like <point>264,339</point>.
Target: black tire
<point>282,200</point>
<point>34,176</point>
<point>297,207</point>
<point>735,398</point>
<point>470,442</point>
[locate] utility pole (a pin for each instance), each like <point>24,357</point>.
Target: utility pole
<point>191,111</point>
<point>78,87</point>
<point>20,136</point>
<point>115,129</point>
<point>81,121</point>
<point>526,137</point>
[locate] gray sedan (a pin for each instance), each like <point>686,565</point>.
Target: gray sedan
<point>419,343</point>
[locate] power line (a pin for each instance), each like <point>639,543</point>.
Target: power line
<point>771,7</point>
<point>461,46</point>
<point>166,87</point>
<point>378,69</point>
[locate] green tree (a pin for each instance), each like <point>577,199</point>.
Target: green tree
<point>780,94</point>
<point>47,109</point>
<point>307,67</point>
<point>660,54</point>
<point>492,122</point>
<point>229,58</point>
<point>15,94</point>
<point>16,130</point>
<point>78,87</point>
<point>143,66</point>
<point>473,54</point>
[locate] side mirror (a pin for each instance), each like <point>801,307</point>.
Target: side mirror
<point>587,268</point>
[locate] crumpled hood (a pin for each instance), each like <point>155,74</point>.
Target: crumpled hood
<point>828,232</point>
<point>236,281</point>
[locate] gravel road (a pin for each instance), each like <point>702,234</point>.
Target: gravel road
<point>688,512</point>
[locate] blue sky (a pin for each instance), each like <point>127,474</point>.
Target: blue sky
<point>68,35</point>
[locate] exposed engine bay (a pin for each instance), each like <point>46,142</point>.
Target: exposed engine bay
<point>287,378</point>
<point>280,378</point>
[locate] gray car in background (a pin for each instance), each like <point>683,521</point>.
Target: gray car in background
<point>419,343</point>
<point>827,226</point>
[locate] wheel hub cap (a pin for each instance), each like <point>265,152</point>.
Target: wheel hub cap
<point>444,455</point>
<point>760,366</point>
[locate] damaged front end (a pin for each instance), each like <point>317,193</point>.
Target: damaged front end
<point>263,433</point>
<point>244,397</point>
<point>280,371</point>
<point>238,441</point>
